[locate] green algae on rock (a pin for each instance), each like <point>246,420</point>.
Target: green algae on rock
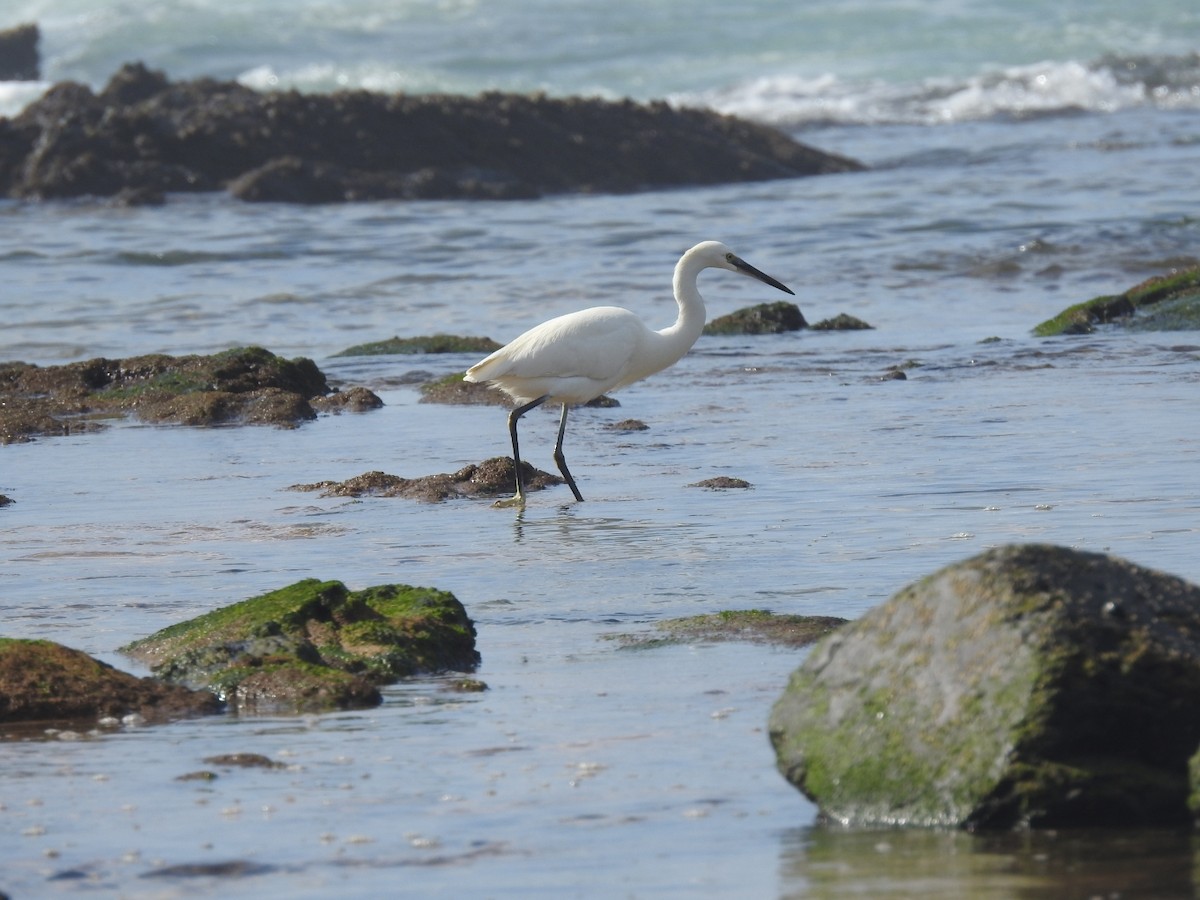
<point>758,626</point>
<point>764,318</point>
<point>44,681</point>
<point>432,343</point>
<point>314,645</point>
<point>841,322</point>
<point>244,385</point>
<point>1031,685</point>
<point>1168,302</point>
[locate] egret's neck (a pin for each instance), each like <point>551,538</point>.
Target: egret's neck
<point>692,313</point>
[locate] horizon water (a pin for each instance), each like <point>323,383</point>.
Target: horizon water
<point>1023,156</point>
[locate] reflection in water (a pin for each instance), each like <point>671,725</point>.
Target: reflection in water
<point>1037,865</point>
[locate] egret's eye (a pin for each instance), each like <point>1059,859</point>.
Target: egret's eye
<point>728,257</point>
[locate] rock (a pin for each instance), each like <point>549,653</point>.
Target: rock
<point>765,318</point>
<point>1030,685</point>
<point>723,483</point>
<point>841,322</point>
<point>491,478</point>
<point>433,343</point>
<point>45,681</point>
<point>246,385</point>
<point>314,645</point>
<point>628,425</point>
<point>758,626</point>
<point>145,133</point>
<point>19,60</point>
<point>355,399</point>
<point>1168,302</point>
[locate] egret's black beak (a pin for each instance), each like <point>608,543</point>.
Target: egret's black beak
<point>746,268</point>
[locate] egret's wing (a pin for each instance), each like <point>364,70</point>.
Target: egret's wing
<point>594,344</point>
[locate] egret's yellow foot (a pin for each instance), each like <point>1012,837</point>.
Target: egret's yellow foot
<point>516,500</point>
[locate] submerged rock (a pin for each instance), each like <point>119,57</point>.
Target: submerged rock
<point>1168,302</point>
<point>493,477</point>
<point>433,343</point>
<point>1028,686</point>
<point>45,681</point>
<point>143,133</point>
<point>314,645</point>
<point>758,626</point>
<point>723,483</point>
<point>245,385</point>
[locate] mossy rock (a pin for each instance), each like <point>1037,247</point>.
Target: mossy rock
<point>765,318</point>
<point>1031,685</point>
<point>841,322</point>
<point>45,681</point>
<point>1164,303</point>
<point>244,385</point>
<point>758,626</point>
<point>314,644</point>
<point>432,343</point>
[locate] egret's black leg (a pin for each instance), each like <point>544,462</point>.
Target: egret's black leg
<point>519,498</point>
<point>561,459</point>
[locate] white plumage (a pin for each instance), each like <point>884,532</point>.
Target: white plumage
<point>575,358</point>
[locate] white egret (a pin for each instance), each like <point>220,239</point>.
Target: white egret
<point>577,357</point>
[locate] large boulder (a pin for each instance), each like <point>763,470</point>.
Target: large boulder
<point>143,136</point>
<point>1031,685</point>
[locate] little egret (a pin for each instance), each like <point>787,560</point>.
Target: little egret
<point>577,357</point>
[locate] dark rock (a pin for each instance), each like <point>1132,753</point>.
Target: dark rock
<point>491,478</point>
<point>244,761</point>
<point>143,132</point>
<point>765,318</point>
<point>314,645</point>
<point>234,868</point>
<point>1168,302</point>
<point>355,399</point>
<point>246,385</point>
<point>757,626</point>
<point>1028,686</point>
<point>841,322</point>
<point>19,59</point>
<point>431,343</point>
<point>45,681</point>
<point>629,425</point>
<point>722,483</point>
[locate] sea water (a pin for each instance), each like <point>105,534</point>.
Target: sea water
<point>1023,157</point>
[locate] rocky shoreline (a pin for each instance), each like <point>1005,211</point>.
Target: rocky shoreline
<point>144,136</point>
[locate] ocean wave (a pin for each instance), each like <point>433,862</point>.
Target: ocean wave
<point>1048,88</point>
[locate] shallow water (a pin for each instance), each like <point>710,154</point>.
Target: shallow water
<point>651,766</point>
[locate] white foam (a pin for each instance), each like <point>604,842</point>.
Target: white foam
<point>1038,89</point>
<point>16,95</point>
